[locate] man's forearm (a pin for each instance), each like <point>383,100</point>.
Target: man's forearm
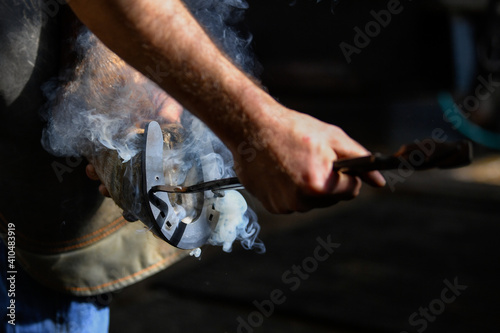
<point>290,165</point>
<point>161,39</point>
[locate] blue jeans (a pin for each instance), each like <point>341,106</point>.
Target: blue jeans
<point>39,309</point>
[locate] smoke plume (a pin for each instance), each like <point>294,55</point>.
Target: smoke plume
<point>99,107</point>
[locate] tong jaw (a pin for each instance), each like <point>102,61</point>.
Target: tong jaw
<point>188,233</point>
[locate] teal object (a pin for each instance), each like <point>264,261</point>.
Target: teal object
<point>474,132</point>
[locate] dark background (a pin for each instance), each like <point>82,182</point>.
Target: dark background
<point>398,244</point>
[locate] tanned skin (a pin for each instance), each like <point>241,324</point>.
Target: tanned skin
<point>290,168</point>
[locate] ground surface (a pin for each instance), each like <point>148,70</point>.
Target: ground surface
<point>397,247</point>
<point>395,251</point>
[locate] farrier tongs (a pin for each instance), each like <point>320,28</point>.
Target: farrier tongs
<point>424,155</point>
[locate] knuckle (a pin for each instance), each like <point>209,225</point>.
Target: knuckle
<point>337,131</point>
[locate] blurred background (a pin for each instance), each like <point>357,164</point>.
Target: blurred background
<point>403,251</point>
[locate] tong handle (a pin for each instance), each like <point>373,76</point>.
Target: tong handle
<point>437,155</point>
<point>441,155</point>
<point>232,183</point>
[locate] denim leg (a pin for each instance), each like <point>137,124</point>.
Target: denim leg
<point>39,309</point>
<point>464,53</point>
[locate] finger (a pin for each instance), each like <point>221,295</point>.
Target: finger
<point>373,178</point>
<point>90,171</point>
<point>347,186</point>
<point>171,111</point>
<point>343,185</point>
<point>104,191</point>
<point>351,148</point>
<point>344,146</point>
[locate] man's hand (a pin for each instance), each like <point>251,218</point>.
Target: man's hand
<point>92,174</point>
<point>288,164</point>
<point>292,167</point>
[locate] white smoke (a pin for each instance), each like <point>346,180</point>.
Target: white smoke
<point>222,20</point>
<point>102,102</point>
<point>98,102</point>
<point>233,222</point>
<point>202,150</point>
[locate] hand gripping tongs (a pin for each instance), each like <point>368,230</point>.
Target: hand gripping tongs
<point>417,156</point>
<point>443,156</point>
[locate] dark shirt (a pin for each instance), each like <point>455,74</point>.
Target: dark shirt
<point>45,196</point>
